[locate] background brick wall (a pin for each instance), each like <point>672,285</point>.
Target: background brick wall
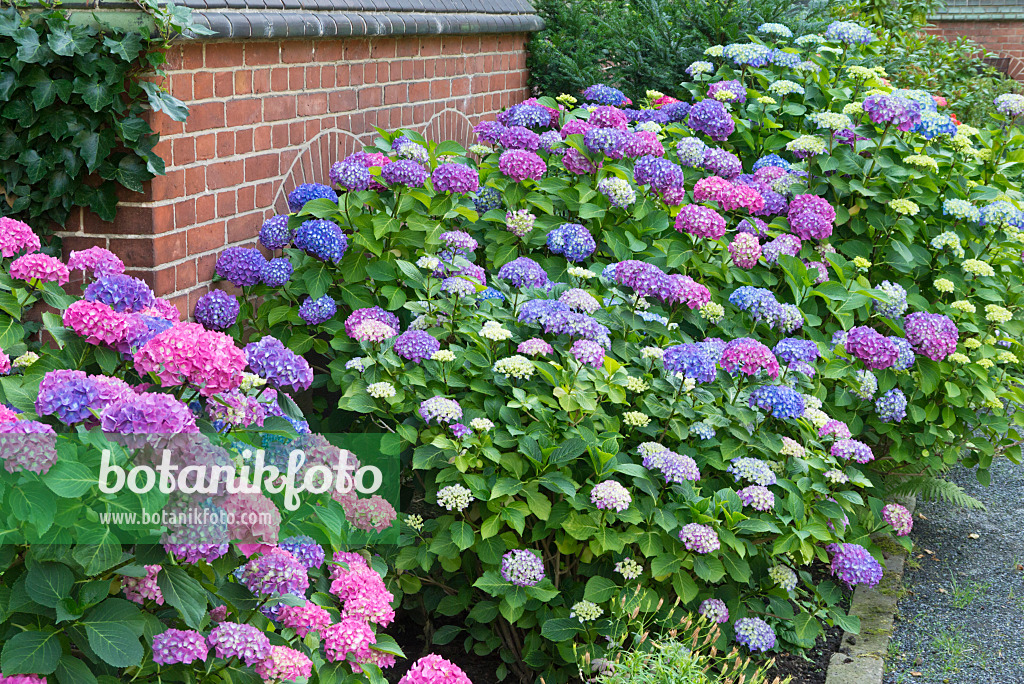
<point>266,116</point>
<point>1005,38</point>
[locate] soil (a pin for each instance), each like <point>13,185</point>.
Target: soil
<point>809,668</point>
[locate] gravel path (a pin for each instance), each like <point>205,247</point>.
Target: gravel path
<point>960,618</point>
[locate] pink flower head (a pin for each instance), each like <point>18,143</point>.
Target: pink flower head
<point>139,589</point>
<point>188,353</point>
<point>683,288</point>
<point>96,322</point>
<point>535,346</point>
<point>433,669</point>
<point>5,363</point>
<point>16,236</point>
<point>304,619</point>
<point>811,217</point>
<point>748,356</point>
<point>700,221</point>
<point>745,250</point>
<point>588,353</point>
<point>899,517</point>
<point>520,165</point>
<point>22,679</point>
<point>161,308</point>
<point>39,267</point>
<point>836,429</point>
<point>372,514</point>
<point>577,163</point>
<point>361,591</point>
<point>96,260</point>
<point>350,636</point>
<point>370,313</point>
<point>284,665</point>
<point>255,517</point>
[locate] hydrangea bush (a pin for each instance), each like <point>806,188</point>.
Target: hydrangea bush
<point>268,594</point>
<point>678,351</point>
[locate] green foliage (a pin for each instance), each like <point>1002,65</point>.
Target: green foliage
<point>640,45</point>
<point>928,488</point>
<point>956,70</point>
<point>74,125</point>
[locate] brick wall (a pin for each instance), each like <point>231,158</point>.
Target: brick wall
<point>268,115</point>
<point>1005,38</point>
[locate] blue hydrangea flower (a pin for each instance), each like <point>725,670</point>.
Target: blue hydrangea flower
<point>322,239</point>
<point>782,402</point>
<point>891,407</point>
<point>276,272</point>
<point>572,241</point>
<point>307,192</point>
<point>694,360</point>
<point>486,199</point>
<point>317,311</point>
<point>274,234</point>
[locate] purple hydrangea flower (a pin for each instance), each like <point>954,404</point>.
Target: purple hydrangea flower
<point>755,634</point>
<point>350,175</point>
<point>891,407</point>
<point>699,538</point>
<point>714,610</point>
<point>675,112</point>
<point>521,164</point>
<point>536,310</point>
<point>606,95</point>
<point>121,293</point>
<point>700,221</point>
<point>440,409</point>
<point>932,335</point>
<point>753,470</point>
<point>317,311</point>
<point>274,233</point>
<point>657,172</point>
<point>455,178</point>
<point>854,565</point>
<point>522,567</point>
<point>322,239</point>
<point>179,646</point>
<point>241,266</point>
<point>416,345</point>
<point>691,152</point>
<point>722,163</point>
<point>576,326</point>
<point>852,449</point>
<point>486,199</point>
<point>606,141</point>
<point>282,368</point>
<point>610,495</point>
<point>404,172</point>
<point>758,497</point>
<point>905,353</point>
<point>307,192</point>
<point>245,642</point>
<point>674,467</point>
<point>524,272</point>
<point>874,349</point>
<point>811,217</point>
<point>276,573</point>
<point>572,241</point>
<point>734,87</point>
<point>899,518</point>
<point>519,138</point>
<point>277,272</point>
<point>305,550</point>
<point>67,394</point>
<point>217,310</point>
<point>711,118</point>
<point>889,110</point>
<point>588,353</point>
<point>694,360</point>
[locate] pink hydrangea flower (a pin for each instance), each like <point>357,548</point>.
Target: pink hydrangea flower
<point>39,267</point>
<point>284,665</point>
<point>372,514</point>
<point>139,589</point>
<point>745,250</point>
<point>899,517</point>
<point>350,636</point>
<point>304,619</point>
<point>361,590</point>
<point>96,260</point>
<point>188,353</point>
<point>96,322</point>
<point>255,518</point>
<point>16,236</point>
<point>433,669</point>
<point>700,221</point>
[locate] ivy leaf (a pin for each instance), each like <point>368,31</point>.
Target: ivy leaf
<point>131,173</point>
<point>162,101</point>
<point>68,40</point>
<point>29,48</point>
<point>8,82</point>
<point>31,652</point>
<point>95,93</point>
<point>132,128</point>
<point>33,164</point>
<point>127,46</point>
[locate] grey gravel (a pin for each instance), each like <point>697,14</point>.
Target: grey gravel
<point>961,615</point>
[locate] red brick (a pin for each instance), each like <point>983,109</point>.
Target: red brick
<point>225,203</point>
<point>278,108</point>
<point>169,186</point>
<point>296,78</point>
<point>224,174</point>
<point>296,51</point>
<point>205,208</point>
<point>356,50</point>
<point>242,228</point>
<point>192,57</point>
<point>243,82</point>
<point>149,252</point>
<point>243,112</point>
<point>224,84</point>
<point>261,167</point>
<point>206,146</point>
<point>183,151</point>
<point>243,141</point>
<point>205,238</point>
<point>262,53</point>
<point>369,97</point>
<point>202,85</point>
<point>226,144</point>
<point>408,47</point>
<point>262,139</point>
<point>181,86</point>
<point>329,51</point>
<point>395,94</point>
<point>185,275</point>
<point>195,179</point>
<point>278,79</point>
<point>261,81</point>
<point>312,104</point>
<point>246,198</point>
<point>221,55</point>
<point>419,91</point>
<point>204,117</point>
<point>185,213</point>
